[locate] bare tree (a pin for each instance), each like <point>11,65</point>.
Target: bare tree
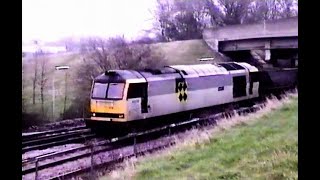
<point>117,53</point>
<point>120,52</point>
<point>162,15</point>
<point>34,78</point>
<point>95,49</point>
<point>182,20</point>
<point>105,54</point>
<point>43,81</point>
<point>288,8</point>
<point>23,88</point>
<point>234,11</point>
<point>267,10</point>
<point>271,10</point>
<point>143,57</point>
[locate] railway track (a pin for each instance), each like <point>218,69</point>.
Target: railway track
<point>34,167</point>
<point>41,140</point>
<point>34,135</point>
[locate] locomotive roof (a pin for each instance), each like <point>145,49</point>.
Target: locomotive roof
<point>174,71</point>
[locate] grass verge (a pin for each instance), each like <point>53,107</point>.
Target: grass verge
<point>261,146</point>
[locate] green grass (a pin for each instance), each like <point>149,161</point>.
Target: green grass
<point>179,52</point>
<point>262,149</point>
<point>185,52</point>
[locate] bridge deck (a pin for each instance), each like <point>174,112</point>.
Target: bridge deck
<point>270,29</point>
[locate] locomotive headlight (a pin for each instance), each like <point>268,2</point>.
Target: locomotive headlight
<point>94,114</point>
<point>121,116</point>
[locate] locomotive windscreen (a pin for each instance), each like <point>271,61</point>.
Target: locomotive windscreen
<point>99,90</point>
<point>115,91</point>
<point>107,90</point>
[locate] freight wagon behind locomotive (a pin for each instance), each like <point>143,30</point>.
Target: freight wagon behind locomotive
<point>124,98</point>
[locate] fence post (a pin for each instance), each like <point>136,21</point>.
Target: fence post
<point>92,162</point>
<point>235,112</point>
<point>36,173</point>
<point>134,144</point>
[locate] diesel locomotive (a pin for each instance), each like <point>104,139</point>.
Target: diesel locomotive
<point>123,97</point>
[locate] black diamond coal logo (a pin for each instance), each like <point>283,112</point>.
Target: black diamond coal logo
<point>184,86</point>
<point>180,97</point>
<point>180,86</point>
<point>185,96</point>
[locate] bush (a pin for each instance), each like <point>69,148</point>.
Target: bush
<point>31,119</point>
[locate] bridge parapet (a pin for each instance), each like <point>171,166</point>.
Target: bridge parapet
<point>269,29</point>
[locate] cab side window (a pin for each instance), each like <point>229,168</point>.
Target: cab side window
<point>136,90</point>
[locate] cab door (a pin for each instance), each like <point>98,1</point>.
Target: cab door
<point>138,99</point>
<point>239,86</point>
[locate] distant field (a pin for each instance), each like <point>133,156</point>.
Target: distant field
<point>179,52</point>
<point>263,149</point>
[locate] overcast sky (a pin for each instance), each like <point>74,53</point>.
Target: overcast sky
<point>49,20</point>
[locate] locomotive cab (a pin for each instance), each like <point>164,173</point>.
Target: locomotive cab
<point>107,101</point>
<point>108,94</point>
<point>115,94</point>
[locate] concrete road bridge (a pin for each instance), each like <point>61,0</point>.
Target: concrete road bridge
<point>271,41</point>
